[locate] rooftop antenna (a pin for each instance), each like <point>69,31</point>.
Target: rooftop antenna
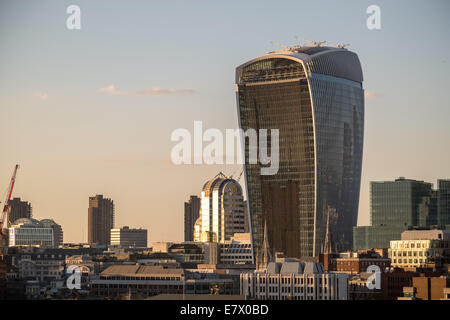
<point>314,43</point>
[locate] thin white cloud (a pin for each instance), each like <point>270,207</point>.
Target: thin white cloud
<point>371,94</point>
<point>41,95</point>
<point>111,89</point>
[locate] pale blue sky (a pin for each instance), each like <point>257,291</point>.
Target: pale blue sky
<point>74,141</point>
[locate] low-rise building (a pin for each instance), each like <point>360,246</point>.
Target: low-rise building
<point>237,250</point>
<point>291,279</point>
<point>147,280</point>
<point>421,248</point>
<point>354,262</point>
<point>358,288</point>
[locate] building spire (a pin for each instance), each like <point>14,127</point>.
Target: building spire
<point>266,255</point>
<point>328,245</point>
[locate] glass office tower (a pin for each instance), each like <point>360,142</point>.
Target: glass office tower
<point>314,96</point>
<point>444,203</point>
<point>396,206</point>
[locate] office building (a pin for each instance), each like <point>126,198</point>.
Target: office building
<point>314,97</point>
<point>58,234</point>
<point>191,214</point>
<point>222,210</point>
<point>100,220</point>
<point>396,206</point>
<point>290,279</point>
<point>126,237</point>
<point>444,203</point>
<point>30,232</point>
<point>19,209</point>
<point>421,249</point>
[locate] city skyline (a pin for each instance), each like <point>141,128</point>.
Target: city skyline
<point>88,122</point>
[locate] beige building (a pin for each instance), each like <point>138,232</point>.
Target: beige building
<point>420,248</point>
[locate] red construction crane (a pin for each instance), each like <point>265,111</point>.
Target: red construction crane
<point>240,175</point>
<point>4,218</point>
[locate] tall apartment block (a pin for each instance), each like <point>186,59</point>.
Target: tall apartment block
<point>314,96</point>
<point>396,206</point>
<point>100,220</point>
<point>191,214</point>
<point>19,209</point>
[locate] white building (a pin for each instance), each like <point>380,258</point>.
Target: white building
<point>30,232</point>
<point>126,237</point>
<point>420,248</point>
<point>221,212</point>
<point>290,279</point>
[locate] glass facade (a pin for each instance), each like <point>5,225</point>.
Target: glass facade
<point>318,108</point>
<point>396,206</point>
<point>444,203</point>
<point>29,236</point>
<point>397,202</point>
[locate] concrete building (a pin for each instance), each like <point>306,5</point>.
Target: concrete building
<point>314,96</point>
<point>222,210</point>
<point>237,250</point>
<point>30,232</point>
<point>290,279</point>
<point>58,234</point>
<point>147,280</point>
<point>396,206</point>
<point>126,237</point>
<point>47,268</point>
<point>191,214</point>
<point>100,220</point>
<point>161,246</point>
<point>19,209</point>
<point>421,248</point>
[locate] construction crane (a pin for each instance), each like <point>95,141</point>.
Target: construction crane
<point>4,218</point>
<point>340,45</point>
<point>240,175</point>
<point>314,43</point>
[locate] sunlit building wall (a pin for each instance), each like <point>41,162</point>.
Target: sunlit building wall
<point>222,210</point>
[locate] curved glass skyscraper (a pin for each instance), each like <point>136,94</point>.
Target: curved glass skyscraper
<point>314,96</point>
